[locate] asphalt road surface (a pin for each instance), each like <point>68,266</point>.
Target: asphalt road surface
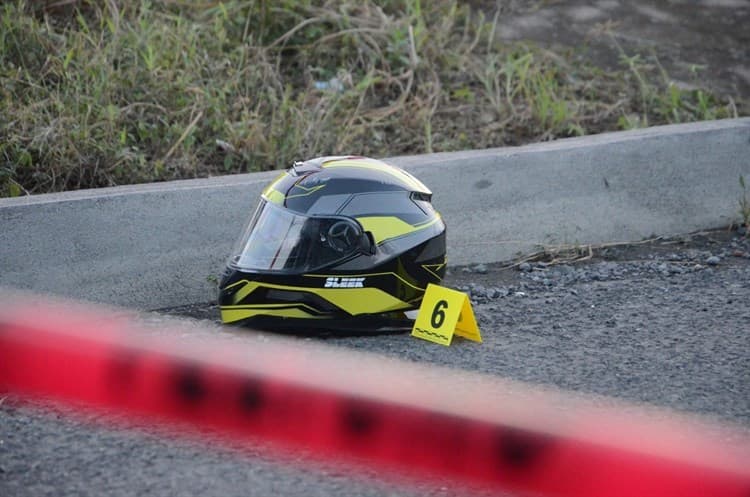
<point>664,323</point>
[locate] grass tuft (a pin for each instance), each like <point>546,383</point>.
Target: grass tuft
<point>744,204</point>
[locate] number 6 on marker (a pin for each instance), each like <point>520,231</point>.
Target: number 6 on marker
<point>438,315</point>
<point>444,313</point>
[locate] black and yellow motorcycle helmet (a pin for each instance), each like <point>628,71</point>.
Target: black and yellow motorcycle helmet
<point>335,242</point>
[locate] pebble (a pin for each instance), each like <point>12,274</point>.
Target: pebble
<point>524,267</point>
<point>498,292</point>
<point>480,268</point>
<point>713,260</point>
<point>478,291</point>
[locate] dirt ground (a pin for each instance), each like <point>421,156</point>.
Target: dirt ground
<point>697,42</point>
<point>728,247</point>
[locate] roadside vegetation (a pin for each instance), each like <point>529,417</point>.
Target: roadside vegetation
<point>116,92</point>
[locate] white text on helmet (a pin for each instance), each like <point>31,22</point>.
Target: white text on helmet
<point>336,282</point>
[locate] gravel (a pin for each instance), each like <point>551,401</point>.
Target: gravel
<point>663,323</point>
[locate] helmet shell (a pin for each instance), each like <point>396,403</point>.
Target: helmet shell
<point>400,249</point>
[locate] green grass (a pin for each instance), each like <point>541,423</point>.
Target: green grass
<point>117,92</point>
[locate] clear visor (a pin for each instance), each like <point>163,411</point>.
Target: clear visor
<point>279,240</point>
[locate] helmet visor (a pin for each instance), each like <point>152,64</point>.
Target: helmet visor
<point>277,239</point>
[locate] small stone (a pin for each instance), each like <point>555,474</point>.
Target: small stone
<point>524,267</point>
<point>738,253</point>
<point>713,260</point>
<point>494,292</point>
<point>480,269</point>
<point>225,146</point>
<point>479,292</point>
<point>675,269</point>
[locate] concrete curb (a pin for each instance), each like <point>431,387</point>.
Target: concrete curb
<point>157,245</point>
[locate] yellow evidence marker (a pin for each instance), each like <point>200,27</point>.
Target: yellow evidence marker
<point>444,313</point>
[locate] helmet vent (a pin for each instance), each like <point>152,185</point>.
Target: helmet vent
<point>425,197</point>
<point>306,167</point>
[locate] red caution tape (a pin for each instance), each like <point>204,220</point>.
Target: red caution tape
<point>425,421</point>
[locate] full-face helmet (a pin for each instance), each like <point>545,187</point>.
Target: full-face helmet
<point>335,242</point>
